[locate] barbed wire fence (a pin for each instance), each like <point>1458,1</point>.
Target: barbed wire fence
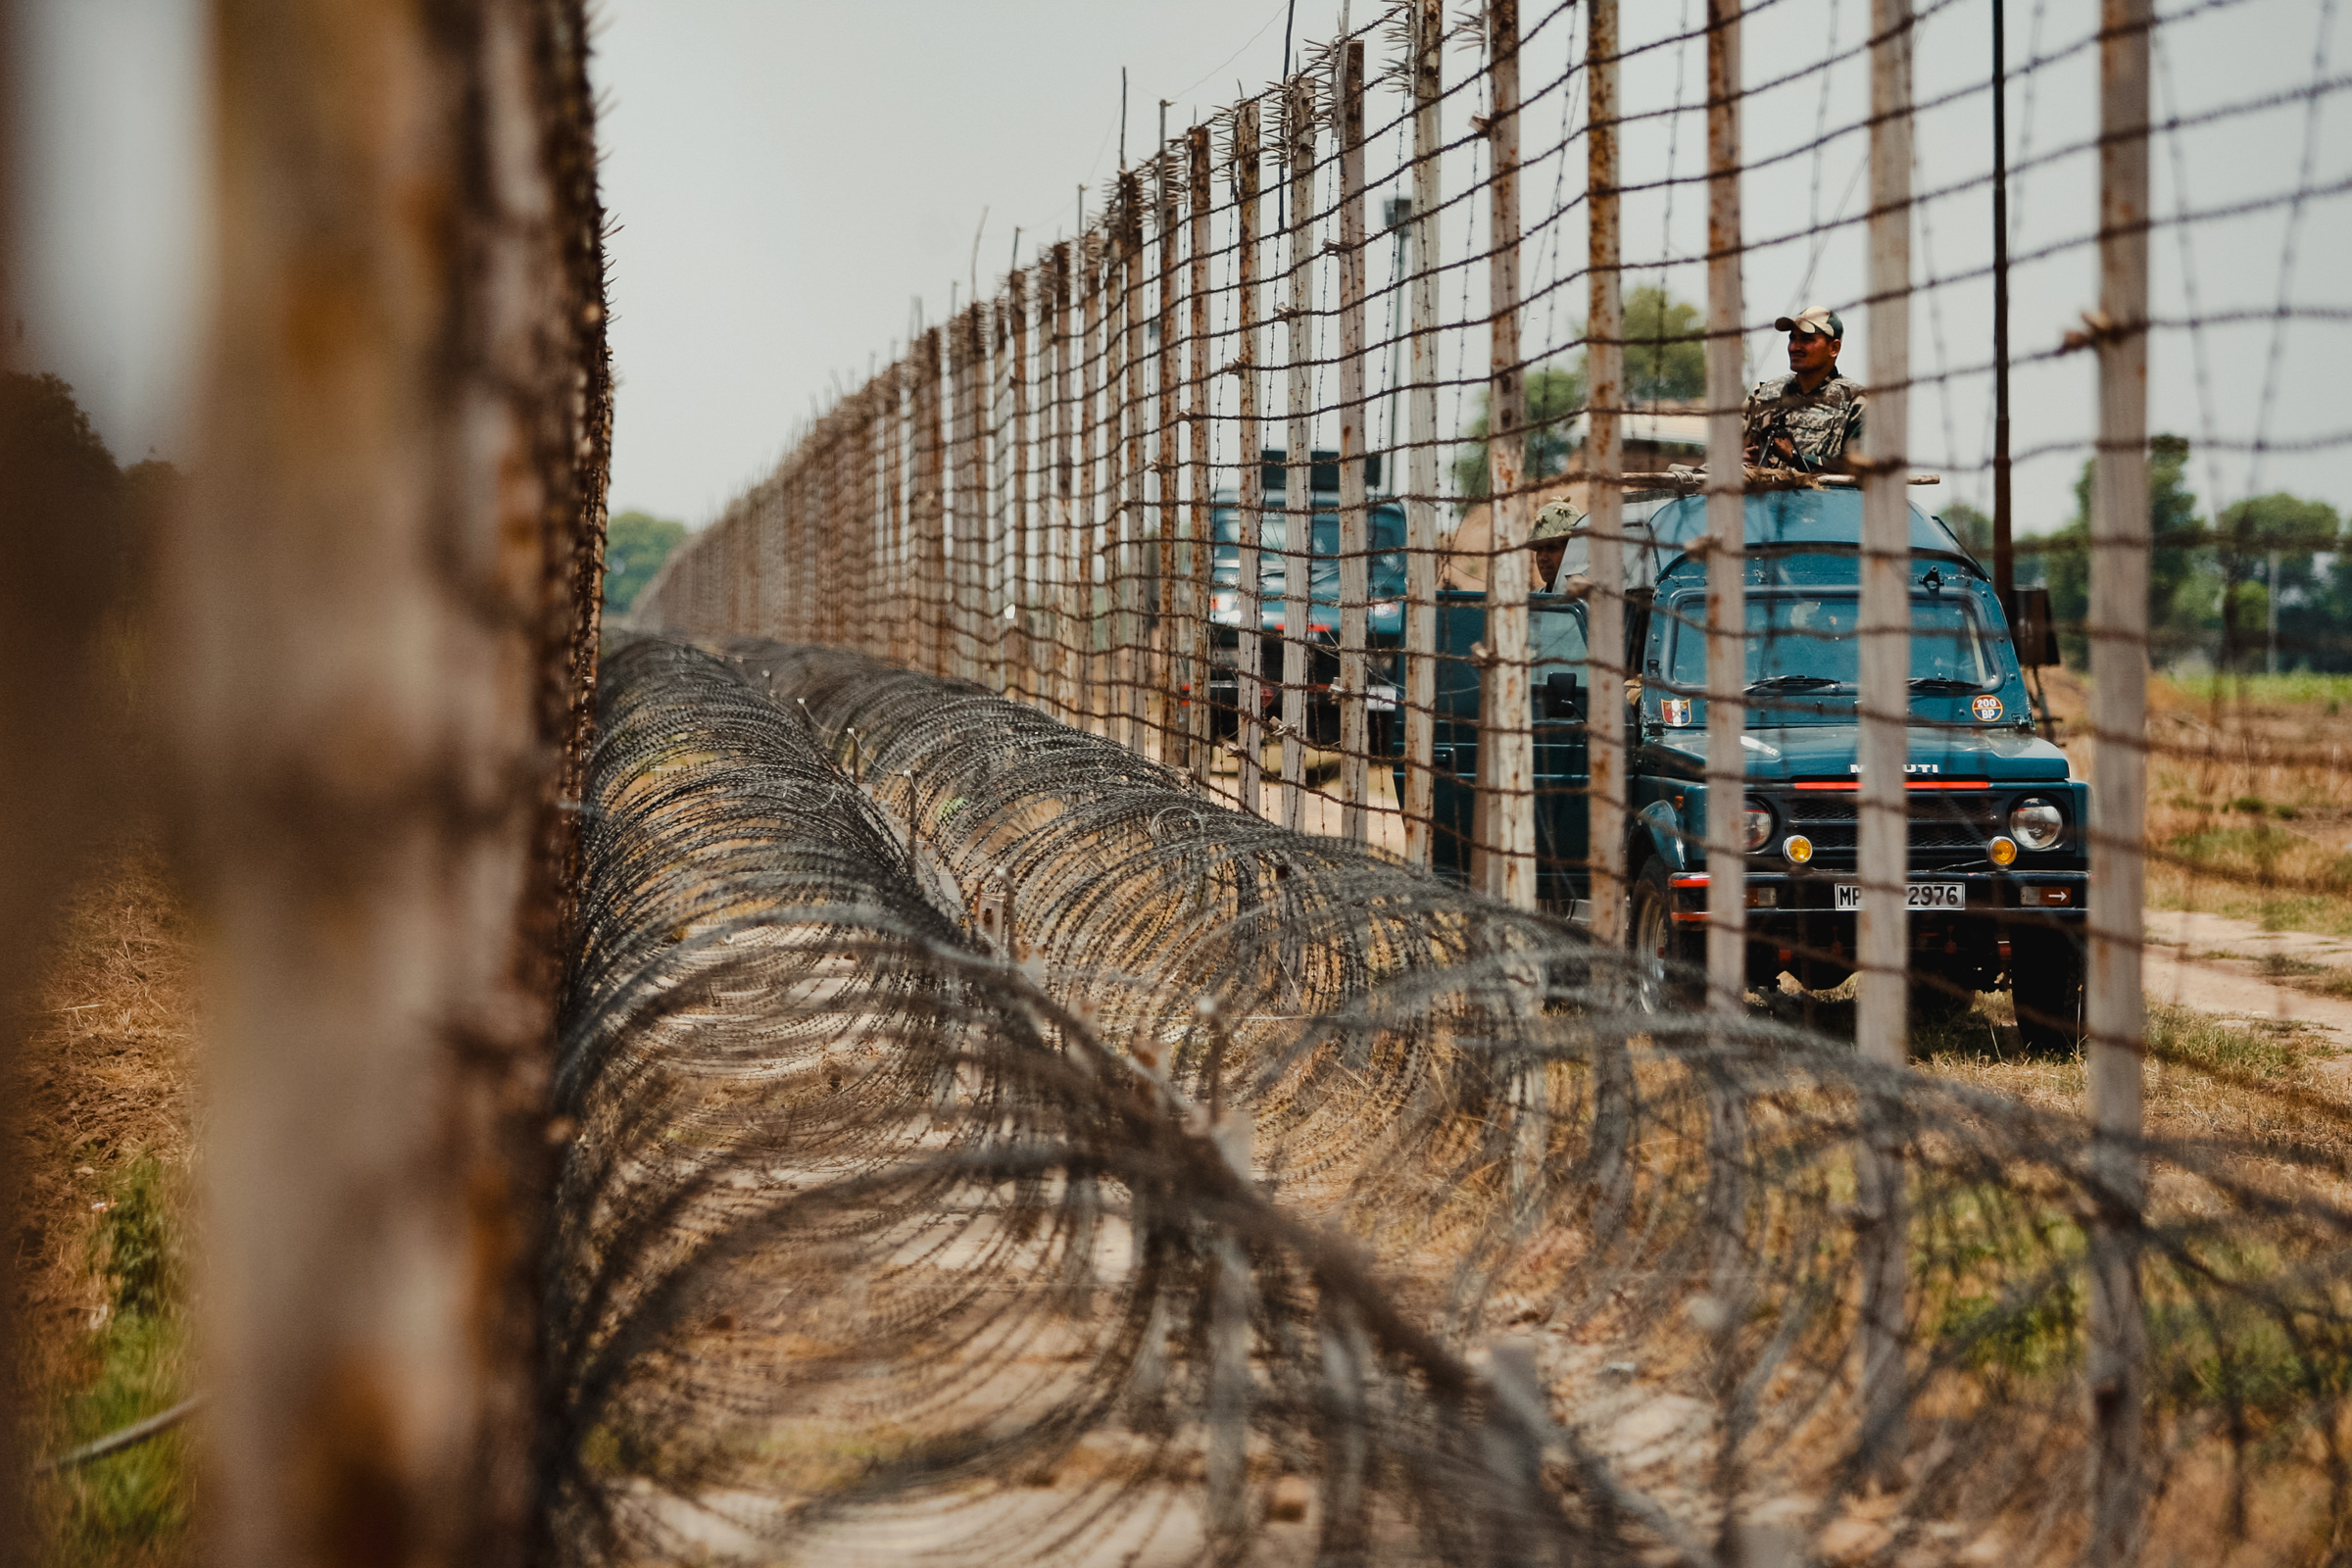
<point>1241,481</point>
<point>987,1149</point>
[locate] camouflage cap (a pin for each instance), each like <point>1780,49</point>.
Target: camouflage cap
<point>1818,319</point>
<point>1557,520</point>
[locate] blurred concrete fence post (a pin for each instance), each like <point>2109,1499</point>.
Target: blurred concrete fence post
<point>2115,1007</point>
<point>377,635</point>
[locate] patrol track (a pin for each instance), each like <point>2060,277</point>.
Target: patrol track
<point>866,1226</point>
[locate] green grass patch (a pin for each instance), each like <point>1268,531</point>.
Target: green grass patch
<point>2197,1040</point>
<point>2319,979</point>
<point>131,1509</point>
<point>2232,864</point>
<point>2300,689</point>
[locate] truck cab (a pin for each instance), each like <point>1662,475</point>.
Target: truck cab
<point>2000,869</point>
<point>1384,525</point>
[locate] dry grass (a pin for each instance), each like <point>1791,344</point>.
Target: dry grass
<point>2276,1087</point>
<point>2249,798</point>
<point>106,1137</point>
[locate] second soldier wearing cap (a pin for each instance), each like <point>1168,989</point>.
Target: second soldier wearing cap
<point>1807,419</point>
<point>1547,542</point>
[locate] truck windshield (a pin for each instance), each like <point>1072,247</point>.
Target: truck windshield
<point>1807,642</point>
<point>1556,638</point>
<point>1384,525</point>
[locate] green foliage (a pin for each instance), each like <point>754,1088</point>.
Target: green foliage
<point>2315,609</point>
<point>2008,1333</point>
<point>1665,347</point>
<point>2183,607</point>
<point>1972,527</point>
<point>1553,398</point>
<point>2210,586</point>
<point>2302,688</point>
<point>636,543</point>
<point>131,1509</point>
<point>41,423</point>
<point>132,1245</point>
<point>1665,360</point>
<point>71,517</point>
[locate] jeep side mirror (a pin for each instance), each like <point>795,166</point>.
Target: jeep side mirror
<point>1563,695</point>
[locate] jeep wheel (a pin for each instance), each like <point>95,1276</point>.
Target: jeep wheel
<point>2045,983</point>
<point>1657,985</point>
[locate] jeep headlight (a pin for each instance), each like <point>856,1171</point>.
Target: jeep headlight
<point>2036,824</point>
<point>1755,826</point>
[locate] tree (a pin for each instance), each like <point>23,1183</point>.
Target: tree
<point>59,511</point>
<point>2182,608</point>
<point>636,543</point>
<point>1665,347</point>
<point>1553,398</point>
<point>1665,360</point>
<point>1972,528</point>
<point>2247,538</point>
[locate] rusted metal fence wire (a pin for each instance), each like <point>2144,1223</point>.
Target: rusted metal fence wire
<point>907,1218</point>
<point>1240,480</point>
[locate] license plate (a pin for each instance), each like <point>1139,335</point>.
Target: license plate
<point>1916,895</point>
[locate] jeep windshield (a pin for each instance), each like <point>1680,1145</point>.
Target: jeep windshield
<point>1806,645</point>
<point>1385,524</point>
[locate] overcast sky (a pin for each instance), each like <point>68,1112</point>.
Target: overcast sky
<point>788,180</point>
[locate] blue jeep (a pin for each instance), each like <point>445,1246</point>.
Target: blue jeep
<point>1998,862</point>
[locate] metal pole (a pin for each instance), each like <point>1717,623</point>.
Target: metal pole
<point>1024,680</point>
<point>1067,556</point>
<point>2004,551</point>
<point>872,529</point>
<point>957,509</point>
<point>1886,657</point>
<point>1507,797</point>
<point>1197,532</point>
<point>1134,653</point>
<point>1299,480</point>
<point>1002,560</point>
<point>975,534</point>
<point>1249,686</point>
<point>2113,1008</point>
<point>1421,504</point>
<point>1726,512</point>
<point>1604,461</point>
<point>1094,447</point>
<point>1169,603</point>
<point>930,509</point>
<point>900,568</point>
<point>1355,541</point>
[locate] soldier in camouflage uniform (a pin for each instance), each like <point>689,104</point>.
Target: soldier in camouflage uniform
<point>1808,419</point>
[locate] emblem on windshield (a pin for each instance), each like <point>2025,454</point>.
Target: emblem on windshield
<point>1987,707</point>
<point>1677,710</point>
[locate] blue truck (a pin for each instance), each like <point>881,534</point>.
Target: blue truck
<point>2000,869</point>
<point>1385,619</point>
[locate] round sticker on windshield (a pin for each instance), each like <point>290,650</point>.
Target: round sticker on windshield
<point>1987,709</point>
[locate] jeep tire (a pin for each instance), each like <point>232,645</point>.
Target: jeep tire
<point>2045,983</point>
<point>1661,982</point>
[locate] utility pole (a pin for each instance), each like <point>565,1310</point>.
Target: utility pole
<point>2271,602</point>
<point>2004,551</point>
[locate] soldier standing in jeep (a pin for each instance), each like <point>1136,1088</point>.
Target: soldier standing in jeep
<point>1806,419</point>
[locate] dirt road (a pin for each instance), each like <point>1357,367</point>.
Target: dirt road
<point>2216,964</point>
